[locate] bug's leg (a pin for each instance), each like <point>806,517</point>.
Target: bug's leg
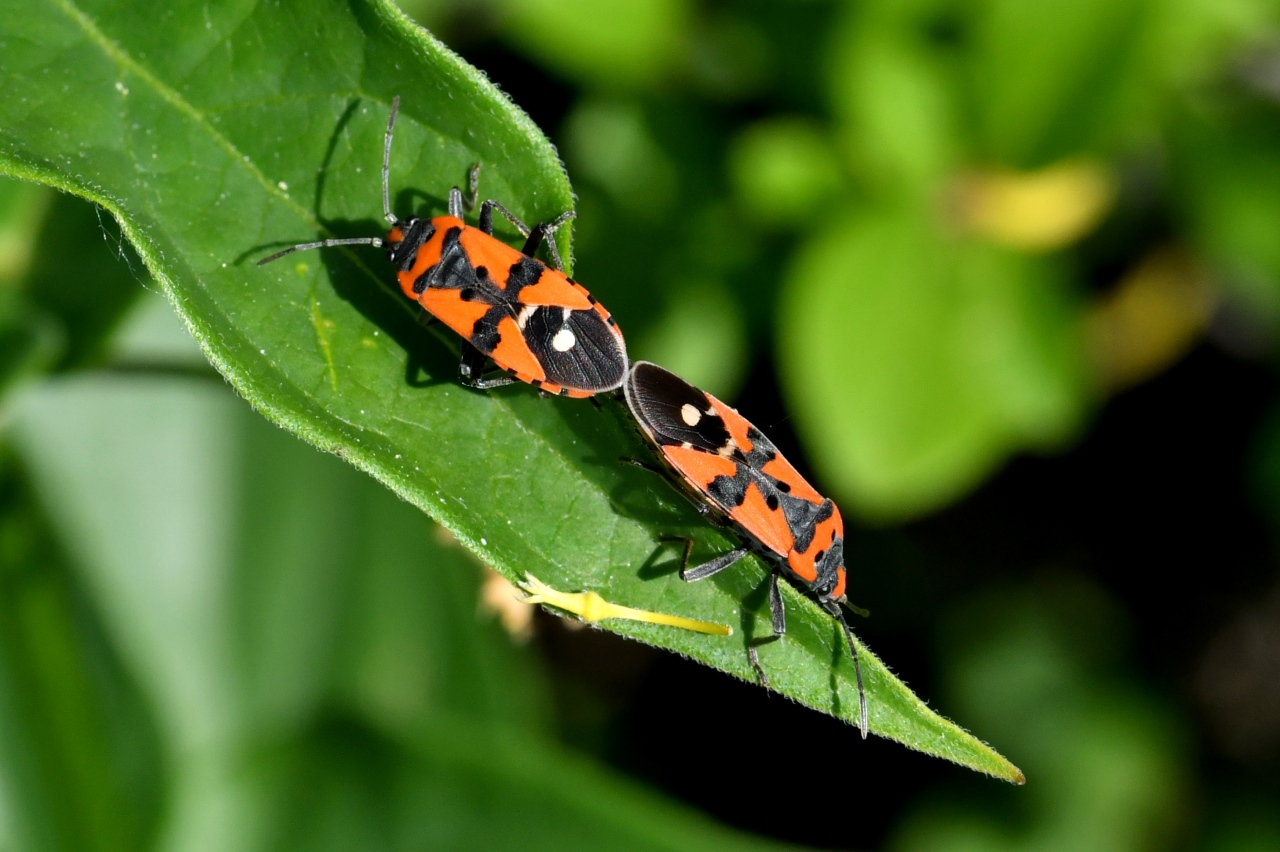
<point>496,382</point>
<point>706,569</point>
<point>471,366</point>
<point>486,217</point>
<point>683,539</point>
<point>471,370</point>
<point>459,203</point>
<point>649,467</point>
<point>547,231</point>
<point>473,187</point>
<point>778,617</point>
<point>555,224</point>
<point>834,608</point>
<point>425,318</point>
<point>534,239</point>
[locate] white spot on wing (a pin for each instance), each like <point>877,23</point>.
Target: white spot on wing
<point>690,415</point>
<point>525,312</point>
<point>564,340</point>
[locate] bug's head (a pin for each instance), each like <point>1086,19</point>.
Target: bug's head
<point>831,564</point>
<point>405,238</point>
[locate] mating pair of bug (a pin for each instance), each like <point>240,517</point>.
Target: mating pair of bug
<point>542,327</point>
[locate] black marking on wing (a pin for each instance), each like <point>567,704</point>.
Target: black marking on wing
<point>803,518</point>
<point>453,270</point>
<point>762,449</point>
<point>731,491</point>
<point>523,273</point>
<point>657,398</point>
<point>485,334</point>
<point>595,362</point>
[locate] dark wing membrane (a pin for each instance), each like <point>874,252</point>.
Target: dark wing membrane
<point>672,411</point>
<point>577,349</point>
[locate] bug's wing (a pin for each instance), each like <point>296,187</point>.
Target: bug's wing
<point>672,411</point>
<point>577,349</point>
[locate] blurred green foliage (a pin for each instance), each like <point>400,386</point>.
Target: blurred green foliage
<point>1110,764</point>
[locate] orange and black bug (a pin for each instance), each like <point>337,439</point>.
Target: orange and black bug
<point>734,473</point>
<point>508,306</point>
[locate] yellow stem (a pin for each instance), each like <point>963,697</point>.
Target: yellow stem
<point>591,607</point>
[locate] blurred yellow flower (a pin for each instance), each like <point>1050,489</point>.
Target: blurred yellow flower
<point>1035,211</point>
<point>1151,319</point>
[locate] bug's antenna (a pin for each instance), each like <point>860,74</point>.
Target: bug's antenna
<point>376,242</point>
<point>386,163</point>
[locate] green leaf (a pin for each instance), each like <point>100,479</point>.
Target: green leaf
<point>1053,77</point>
<point>29,342</point>
<point>229,131</point>
<point>1227,182</point>
<point>292,565</point>
<point>620,43</point>
<point>80,766</point>
<point>783,169</point>
<point>917,362</point>
<point>896,106</point>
